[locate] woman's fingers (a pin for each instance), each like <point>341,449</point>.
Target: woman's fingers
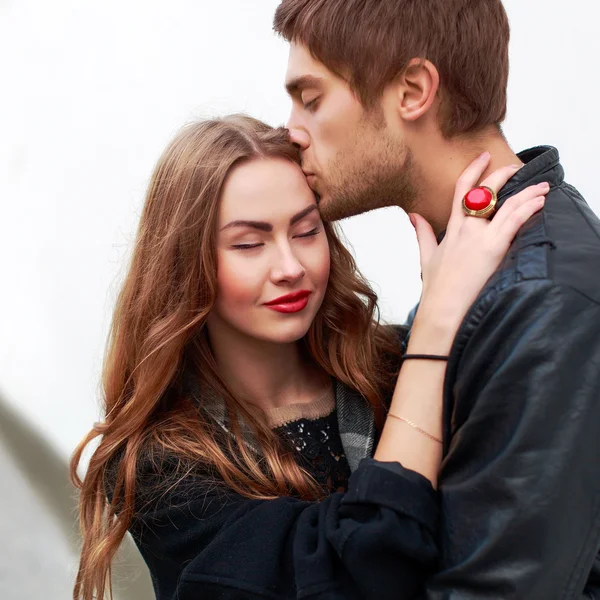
<point>467,181</point>
<point>497,180</point>
<point>516,218</point>
<point>470,178</point>
<point>514,202</point>
<point>425,238</point>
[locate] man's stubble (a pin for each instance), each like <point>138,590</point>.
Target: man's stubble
<point>375,171</point>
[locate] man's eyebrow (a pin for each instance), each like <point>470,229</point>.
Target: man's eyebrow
<point>267,227</point>
<point>297,84</point>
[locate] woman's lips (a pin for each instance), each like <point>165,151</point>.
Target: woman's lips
<point>292,303</point>
<point>290,307</point>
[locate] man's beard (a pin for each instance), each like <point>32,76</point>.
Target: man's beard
<point>360,181</point>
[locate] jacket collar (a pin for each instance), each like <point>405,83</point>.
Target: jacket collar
<point>541,163</point>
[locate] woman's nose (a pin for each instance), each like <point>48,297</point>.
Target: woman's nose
<point>288,269</point>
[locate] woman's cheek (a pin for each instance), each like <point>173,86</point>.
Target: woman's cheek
<point>321,264</point>
<point>237,281</point>
<point>326,259</point>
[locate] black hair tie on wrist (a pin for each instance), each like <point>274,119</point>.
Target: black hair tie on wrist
<point>424,357</point>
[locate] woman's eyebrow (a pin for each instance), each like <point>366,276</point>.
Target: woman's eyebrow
<point>260,225</point>
<point>303,213</point>
<point>268,227</point>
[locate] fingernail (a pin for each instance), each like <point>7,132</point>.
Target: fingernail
<point>515,167</point>
<point>484,156</point>
<point>544,184</point>
<point>412,219</point>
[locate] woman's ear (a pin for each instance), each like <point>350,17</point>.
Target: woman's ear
<point>417,89</point>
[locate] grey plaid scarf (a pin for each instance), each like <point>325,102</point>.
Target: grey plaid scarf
<point>355,419</point>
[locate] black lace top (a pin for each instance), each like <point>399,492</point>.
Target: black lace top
<point>312,431</point>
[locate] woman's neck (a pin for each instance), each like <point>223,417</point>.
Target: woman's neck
<point>265,374</point>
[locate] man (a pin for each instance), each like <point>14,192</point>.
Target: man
<point>391,100</point>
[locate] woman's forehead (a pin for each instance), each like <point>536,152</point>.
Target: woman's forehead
<point>271,189</point>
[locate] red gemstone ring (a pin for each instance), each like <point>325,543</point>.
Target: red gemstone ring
<point>480,202</point>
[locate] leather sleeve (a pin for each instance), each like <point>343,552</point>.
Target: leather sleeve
<point>377,541</point>
<point>520,483</point>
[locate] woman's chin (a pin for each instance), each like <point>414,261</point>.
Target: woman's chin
<point>286,335</point>
<point>288,331</point>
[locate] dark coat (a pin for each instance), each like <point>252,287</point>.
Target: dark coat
<point>377,541</point>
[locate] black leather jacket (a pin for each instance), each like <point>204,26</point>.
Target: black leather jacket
<point>520,482</point>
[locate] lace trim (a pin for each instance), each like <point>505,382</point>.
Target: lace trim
<point>321,407</point>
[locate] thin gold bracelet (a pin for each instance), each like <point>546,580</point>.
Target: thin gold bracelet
<point>431,437</point>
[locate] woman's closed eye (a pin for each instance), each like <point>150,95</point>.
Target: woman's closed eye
<point>310,233</point>
<point>254,245</point>
<point>248,246</point>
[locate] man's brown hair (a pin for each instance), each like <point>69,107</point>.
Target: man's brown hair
<point>370,42</point>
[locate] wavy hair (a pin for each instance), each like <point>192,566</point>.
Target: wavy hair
<point>158,333</point>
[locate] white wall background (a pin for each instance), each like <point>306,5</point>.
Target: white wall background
<point>91,93</point>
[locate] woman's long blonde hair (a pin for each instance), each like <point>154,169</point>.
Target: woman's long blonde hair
<point>158,331</point>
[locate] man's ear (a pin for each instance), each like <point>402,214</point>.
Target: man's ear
<point>417,88</point>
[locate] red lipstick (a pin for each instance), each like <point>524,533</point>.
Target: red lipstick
<point>290,303</point>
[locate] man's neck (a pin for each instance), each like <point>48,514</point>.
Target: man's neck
<point>440,164</point>
<point>265,374</point>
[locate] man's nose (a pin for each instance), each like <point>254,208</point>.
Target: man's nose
<point>299,138</point>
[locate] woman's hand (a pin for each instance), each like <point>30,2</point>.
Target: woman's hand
<point>455,271</point>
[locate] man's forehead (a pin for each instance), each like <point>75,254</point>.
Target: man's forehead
<point>301,64</point>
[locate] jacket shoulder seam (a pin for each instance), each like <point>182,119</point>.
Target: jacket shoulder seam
<point>565,188</point>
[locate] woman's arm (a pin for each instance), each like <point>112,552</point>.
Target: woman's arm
<point>375,542</point>
<point>453,275</point>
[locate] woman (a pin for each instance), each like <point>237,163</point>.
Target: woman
<point>246,378</point>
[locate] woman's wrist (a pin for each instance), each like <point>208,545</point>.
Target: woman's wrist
<point>431,335</point>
